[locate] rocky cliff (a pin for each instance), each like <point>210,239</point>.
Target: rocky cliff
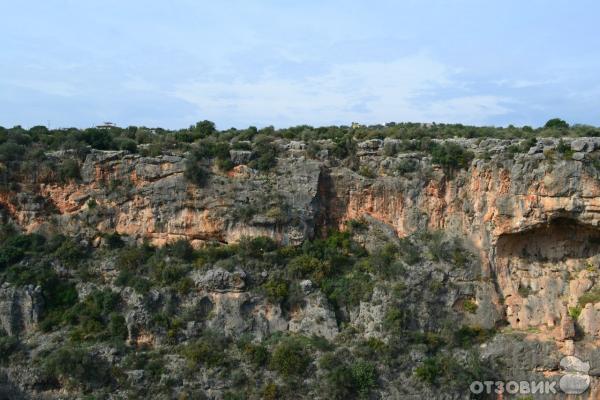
<point>529,223</point>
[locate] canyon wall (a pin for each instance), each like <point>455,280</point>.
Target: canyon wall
<point>531,221</point>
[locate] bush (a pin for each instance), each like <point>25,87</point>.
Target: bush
<point>129,145</point>
<point>8,345</point>
<point>346,381</point>
<point>443,370</point>
<point>181,249</point>
<point>270,392</point>
<point>69,170</point>
<point>564,149</point>
<point>593,297</point>
<point>364,377</point>
<point>406,166</point>
<point>256,247</point>
<point>290,358</point>
<point>469,335</point>
<point>98,138</point>
<point>395,320</point>
<point>95,317</point>
<point>367,172</point>
<point>451,156</point>
<point>575,312</point>
<point>132,280</point>
<point>305,266</point>
<point>470,306</point>
<point>257,354</point>
<point>208,350</point>
<point>349,290</point>
<point>195,173</point>
<point>76,365</point>
<point>556,123</point>
<point>114,241</point>
<point>117,327</point>
<point>266,154</point>
<point>225,164</point>
<point>276,290</point>
<point>205,128</point>
<point>69,252</point>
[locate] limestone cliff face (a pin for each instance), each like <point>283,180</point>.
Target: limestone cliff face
<point>533,219</point>
<point>148,198</point>
<point>531,223</point>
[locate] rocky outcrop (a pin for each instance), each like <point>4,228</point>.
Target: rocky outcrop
<point>315,316</point>
<point>220,280</point>
<point>20,308</point>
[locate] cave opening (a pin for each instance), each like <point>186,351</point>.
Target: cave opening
<point>553,242</point>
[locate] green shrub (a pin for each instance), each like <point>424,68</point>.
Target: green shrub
<point>270,392</point>
<point>151,362</point>
<point>256,247</point>
<point>445,371</point>
<point>395,320</point>
<point>15,247</point>
<point>194,171</point>
<point>306,266</point>
<point>69,252</point>
<point>114,241</point>
<point>451,156</point>
<point>290,358</point>
<point>409,253</point>
<point>342,380</point>
<point>556,123</point>
<point>128,144</point>
<point>429,371</point>
<point>117,326</point>
<point>593,296</point>
<point>367,172</point>
<point>470,306</point>
<point>208,350</point>
<point>205,128</point>
<point>524,291</point>
<point>364,376</point>
<point>357,225</point>
<point>575,312</point>
<point>69,170</point>
<point>95,318</point>
<point>564,149</point>
<point>181,249</point>
<point>469,335</point>
<point>257,354</point>
<point>225,164</point>
<point>276,289</point>
<point>348,290</point>
<point>99,139</point>
<point>78,366</point>
<point>266,154</point>
<point>8,345</point>
<point>131,279</point>
<point>407,165</point>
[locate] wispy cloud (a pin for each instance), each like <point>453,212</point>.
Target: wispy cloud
<point>524,83</point>
<point>370,92</point>
<point>53,88</point>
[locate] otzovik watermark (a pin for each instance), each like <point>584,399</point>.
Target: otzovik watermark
<point>514,387</point>
<point>575,380</point>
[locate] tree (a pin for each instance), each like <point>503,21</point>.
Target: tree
<point>557,123</point>
<point>451,156</point>
<point>205,128</point>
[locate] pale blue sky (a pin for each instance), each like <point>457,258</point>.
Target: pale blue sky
<point>239,63</point>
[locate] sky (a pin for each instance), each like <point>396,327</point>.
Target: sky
<point>238,63</point>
